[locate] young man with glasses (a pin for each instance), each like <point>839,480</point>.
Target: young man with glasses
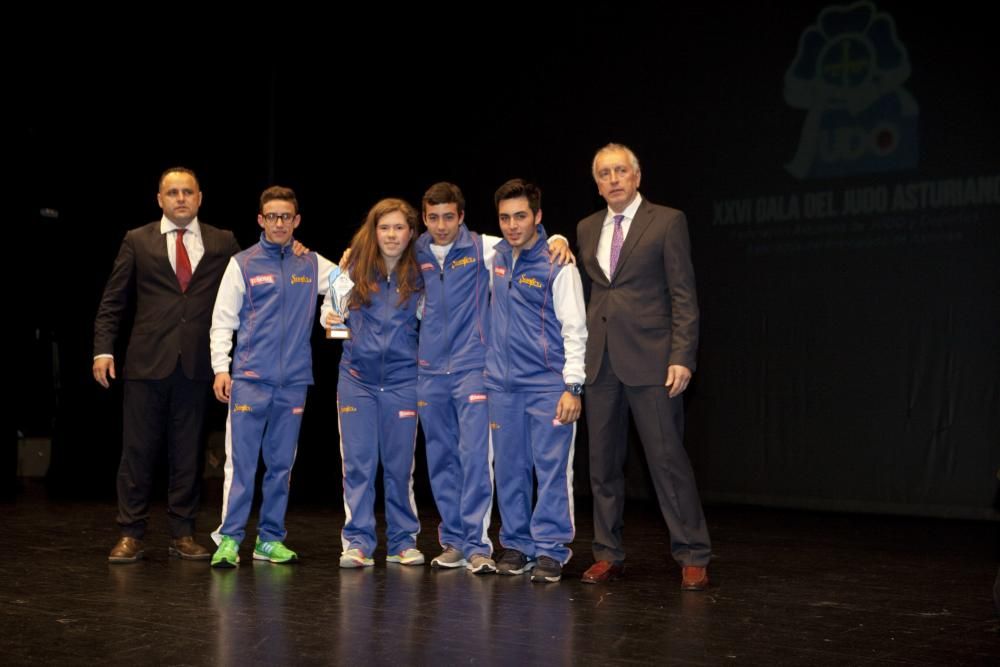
<point>268,296</point>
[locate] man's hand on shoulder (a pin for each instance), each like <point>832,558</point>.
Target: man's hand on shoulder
<point>560,252</point>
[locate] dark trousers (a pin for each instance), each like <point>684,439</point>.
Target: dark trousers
<point>660,422</point>
<point>168,411</point>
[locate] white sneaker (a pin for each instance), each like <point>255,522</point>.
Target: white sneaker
<point>480,564</point>
<point>354,558</point>
<point>406,557</point>
<point>450,558</point>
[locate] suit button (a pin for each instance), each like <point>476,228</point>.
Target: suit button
<point>604,319</point>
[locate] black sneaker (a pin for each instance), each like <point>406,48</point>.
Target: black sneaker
<point>514,562</point>
<point>548,570</point>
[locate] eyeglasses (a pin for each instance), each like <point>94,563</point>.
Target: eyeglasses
<point>620,171</point>
<point>273,217</point>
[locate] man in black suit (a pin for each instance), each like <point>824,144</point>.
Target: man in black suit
<point>642,320</point>
<point>172,268</point>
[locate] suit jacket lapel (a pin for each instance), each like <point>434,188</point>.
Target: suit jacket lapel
<point>158,249</point>
<point>590,252</point>
<point>205,250</point>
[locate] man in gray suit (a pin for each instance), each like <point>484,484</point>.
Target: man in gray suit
<point>643,324</point>
<point>171,270</point>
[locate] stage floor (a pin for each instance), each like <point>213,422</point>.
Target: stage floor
<point>788,587</point>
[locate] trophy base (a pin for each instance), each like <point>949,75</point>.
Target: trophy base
<point>338,334</point>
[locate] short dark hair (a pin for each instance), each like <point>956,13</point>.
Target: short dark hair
<point>518,187</point>
<point>443,193</point>
<point>178,170</point>
<point>278,192</point>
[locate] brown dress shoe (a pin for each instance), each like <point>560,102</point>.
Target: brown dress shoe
<point>186,548</point>
<point>127,550</point>
<point>602,571</point>
<point>694,578</point>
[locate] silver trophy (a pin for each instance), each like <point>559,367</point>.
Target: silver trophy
<point>340,286</point>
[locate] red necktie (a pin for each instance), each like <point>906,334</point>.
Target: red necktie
<point>183,262</point>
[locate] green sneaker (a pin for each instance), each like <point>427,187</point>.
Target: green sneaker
<point>276,552</point>
<point>228,553</point>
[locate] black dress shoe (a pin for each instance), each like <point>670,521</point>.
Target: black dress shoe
<point>127,550</point>
<point>186,548</point>
<point>602,571</point>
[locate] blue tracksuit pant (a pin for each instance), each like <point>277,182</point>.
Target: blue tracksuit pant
<point>263,419</point>
<point>455,417</point>
<point>529,445</point>
<point>377,424</point>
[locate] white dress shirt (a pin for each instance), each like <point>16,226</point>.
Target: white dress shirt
<point>608,230</point>
<point>192,240</point>
<point>192,243</point>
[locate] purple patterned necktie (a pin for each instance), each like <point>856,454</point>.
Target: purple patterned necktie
<point>616,245</point>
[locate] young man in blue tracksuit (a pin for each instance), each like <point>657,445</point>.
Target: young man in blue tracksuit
<point>377,387</point>
<point>268,296</point>
<point>535,374</point>
<point>452,398</point>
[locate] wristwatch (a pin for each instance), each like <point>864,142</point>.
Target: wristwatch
<point>575,389</point>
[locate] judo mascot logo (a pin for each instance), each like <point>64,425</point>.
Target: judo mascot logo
<point>848,76</point>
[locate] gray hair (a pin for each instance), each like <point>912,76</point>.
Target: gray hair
<point>614,147</point>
